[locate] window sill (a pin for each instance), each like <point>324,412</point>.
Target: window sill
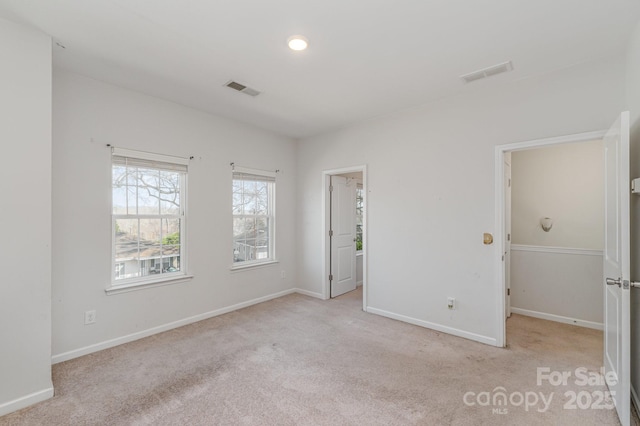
<point>141,285</point>
<point>359,253</point>
<point>253,265</point>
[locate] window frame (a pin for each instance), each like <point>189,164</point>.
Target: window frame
<point>152,280</point>
<point>270,178</point>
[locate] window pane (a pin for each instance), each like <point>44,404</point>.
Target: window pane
<point>119,270</point>
<point>170,231</point>
<point>250,203</point>
<point>262,198</point>
<point>243,228</point>
<point>244,233</point>
<point>249,197</point>
<point>148,182</point>
<point>262,227</point>
<point>126,261</point>
<point>150,251</point>
<point>170,258</point>
<point>169,192</point>
<point>237,197</point>
<point>150,231</point>
<point>126,231</point>
<point>132,191</point>
<point>119,193</point>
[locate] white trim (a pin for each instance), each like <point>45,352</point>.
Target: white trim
<point>238,169</point>
<point>326,180</point>
<point>151,156</point>
<point>141,285</point>
<point>309,293</point>
<point>252,264</point>
<point>159,329</point>
<point>437,327</point>
<point>556,250</point>
<point>500,150</point>
<point>558,318</point>
<point>25,401</point>
<point>557,140</point>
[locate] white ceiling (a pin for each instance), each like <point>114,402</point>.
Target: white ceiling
<point>365,57</point>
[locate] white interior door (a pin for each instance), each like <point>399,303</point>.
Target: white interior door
<point>507,230</point>
<point>617,318</point>
<point>343,235</point>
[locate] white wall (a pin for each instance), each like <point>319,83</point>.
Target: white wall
<point>431,190</point>
<point>565,183</point>
<point>557,284</point>
<point>88,115</point>
<point>633,105</point>
<point>25,217</point>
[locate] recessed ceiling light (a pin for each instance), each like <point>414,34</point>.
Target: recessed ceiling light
<point>297,42</point>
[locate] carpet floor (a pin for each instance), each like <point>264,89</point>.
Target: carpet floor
<point>302,361</point>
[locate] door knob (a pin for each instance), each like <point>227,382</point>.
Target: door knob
<point>611,281</point>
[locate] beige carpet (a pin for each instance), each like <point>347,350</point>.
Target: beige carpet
<point>302,361</point>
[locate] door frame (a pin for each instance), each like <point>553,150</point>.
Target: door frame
<point>500,265</point>
<point>326,224</point>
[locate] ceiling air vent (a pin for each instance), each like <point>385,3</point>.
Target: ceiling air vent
<point>487,72</point>
<point>242,88</point>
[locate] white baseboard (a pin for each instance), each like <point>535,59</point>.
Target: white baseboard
<point>309,293</point>
<point>433,326</point>
<point>558,318</point>
<point>159,329</point>
<point>358,283</point>
<point>25,401</point>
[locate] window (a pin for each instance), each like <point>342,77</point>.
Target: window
<point>148,217</point>
<point>359,212</point>
<point>253,217</point>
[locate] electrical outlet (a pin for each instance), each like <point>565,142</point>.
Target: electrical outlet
<point>89,317</point>
<point>451,303</point>
<point>283,274</point>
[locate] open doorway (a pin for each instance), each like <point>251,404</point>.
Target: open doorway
<point>555,233</point>
<point>537,254</point>
<point>345,229</point>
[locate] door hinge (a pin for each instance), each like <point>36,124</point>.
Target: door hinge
<point>508,237</point>
<point>509,183</point>
<point>330,188</point>
<point>503,258</point>
<point>508,292</point>
<point>330,277</point>
<point>331,232</point>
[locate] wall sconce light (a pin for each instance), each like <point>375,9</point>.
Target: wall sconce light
<point>546,223</point>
